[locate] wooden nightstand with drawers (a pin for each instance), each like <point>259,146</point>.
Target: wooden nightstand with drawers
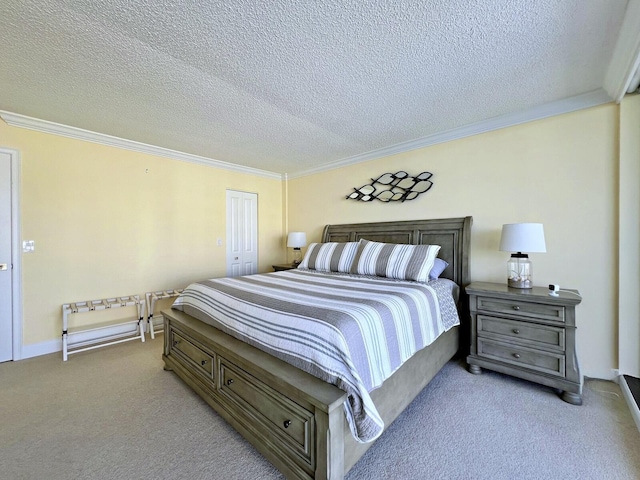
<point>283,266</point>
<point>527,334</point>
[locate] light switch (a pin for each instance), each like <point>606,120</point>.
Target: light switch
<point>28,246</point>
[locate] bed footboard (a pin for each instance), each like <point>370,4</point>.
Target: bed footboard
<point>294,419</point>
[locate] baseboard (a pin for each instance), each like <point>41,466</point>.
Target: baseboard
<point>54,346</point>
<point>631,402</point>
<point>44,348</point>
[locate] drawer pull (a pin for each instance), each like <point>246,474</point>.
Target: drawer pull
<point>516,331</point>
<point>229,382</point>
<point>287,423</point>
<point>516,355</point>
<point>203,362</point>
<point>176,342</point>
<point>516,307</point>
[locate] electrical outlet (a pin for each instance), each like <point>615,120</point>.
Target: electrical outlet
<point>28,246</point>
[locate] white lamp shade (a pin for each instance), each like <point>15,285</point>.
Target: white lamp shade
<point>522,237</point>
<point>297,239</point>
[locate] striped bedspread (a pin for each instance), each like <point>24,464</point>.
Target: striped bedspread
<point>349,330</point>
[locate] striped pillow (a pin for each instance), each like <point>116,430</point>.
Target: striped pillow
<point>404,262</point>
<point>329,257</point>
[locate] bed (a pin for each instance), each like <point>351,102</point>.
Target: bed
<point>295,419</point>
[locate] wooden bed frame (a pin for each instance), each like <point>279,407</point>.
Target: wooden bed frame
<point>294,419</point>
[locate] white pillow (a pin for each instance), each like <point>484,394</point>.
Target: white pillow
<point>394,260</point>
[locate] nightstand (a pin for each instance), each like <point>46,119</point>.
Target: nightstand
<point>283,266</point>
<point>527,334</point>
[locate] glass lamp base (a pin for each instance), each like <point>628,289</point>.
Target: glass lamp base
<point>519,271</point>
<point>297,257</point>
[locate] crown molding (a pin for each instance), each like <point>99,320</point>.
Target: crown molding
<point>579,102</point>
<point>22,121</point>
<point>571,104</point>
<point>625,60</point>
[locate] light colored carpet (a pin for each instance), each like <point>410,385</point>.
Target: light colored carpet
<point>114,413</point>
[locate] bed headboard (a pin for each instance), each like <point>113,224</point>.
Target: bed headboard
<point>452,234</point>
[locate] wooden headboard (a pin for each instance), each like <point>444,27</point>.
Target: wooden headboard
<point>452,234</point>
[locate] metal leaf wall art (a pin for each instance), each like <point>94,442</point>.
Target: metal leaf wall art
<point>393,187</point>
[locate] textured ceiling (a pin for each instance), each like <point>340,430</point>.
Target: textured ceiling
<point>286,86</point>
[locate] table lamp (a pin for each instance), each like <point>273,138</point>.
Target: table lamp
<point>296,240</point>
<point>519,238</point>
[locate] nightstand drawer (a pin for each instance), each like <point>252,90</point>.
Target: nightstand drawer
<point>521,332</point>
<point>539,311</point>
<point>546,362</point>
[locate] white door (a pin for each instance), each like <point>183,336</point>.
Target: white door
<point>6,310</point>
<point>242,233</point>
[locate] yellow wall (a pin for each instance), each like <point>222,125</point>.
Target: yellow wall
<point>561,171</point>
<point>104,227</point>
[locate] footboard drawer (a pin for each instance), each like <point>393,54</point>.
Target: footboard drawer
<point>186,349</point>
<point>289,424</point>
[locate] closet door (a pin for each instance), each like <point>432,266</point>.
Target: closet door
<point>242,233</point>
<point>6,292</point>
